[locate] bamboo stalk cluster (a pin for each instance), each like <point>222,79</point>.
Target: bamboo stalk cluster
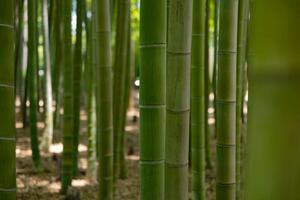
<point>193,71</point>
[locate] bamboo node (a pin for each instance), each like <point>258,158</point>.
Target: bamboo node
<point>7,26</point>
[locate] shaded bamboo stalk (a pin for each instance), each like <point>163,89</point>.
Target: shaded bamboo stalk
<point>19,55</point>
<point>77,82</point>
<point>48,131</point>
<point>91,102</point>
<point>56,60</point>
<point>207,85</point>
<point>32,81</point>
<point>198,108</point>
<point>274,111</point>
<point>243,19</point>
<point>68,126</point>
<point>129,74</point>
<point>104,99</point>
<point>121,54</point>
<point>7,114</point>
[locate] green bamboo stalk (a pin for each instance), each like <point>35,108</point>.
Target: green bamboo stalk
<point>92,157</point>
<point>91,107</point>
<point>112,9</point>
<point>68,126</point>
<point>25,78</point>
<point>54,13</point>
<point>48,131</point>
<point>32,76</point>
<point>104,99</point>
<point>7,114</point>
<point>274,111</point>
<point>40,59</point>
<point>19,48</point>
<point>241,62</point>
<point>216,21</point>
<point>216,43</point>
<point>57,61</point>
<point>226,100</point>
<point>25,98</point>
<point>77,82</point>
<point>178,98</point>
<point>51,8</point>
<point>152,98</point>
<point>123,8</point>
<point>94,64</point>
<point>198,99</point>
<point>207,86</point>
<point>128,83</point>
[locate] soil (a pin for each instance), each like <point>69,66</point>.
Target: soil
<point>45,184</point>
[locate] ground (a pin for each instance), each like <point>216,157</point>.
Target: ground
<point>45,185</point>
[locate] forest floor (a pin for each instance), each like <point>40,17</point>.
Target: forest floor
<point>45,184</point>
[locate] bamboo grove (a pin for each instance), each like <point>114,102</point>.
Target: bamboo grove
<point>154,93</point>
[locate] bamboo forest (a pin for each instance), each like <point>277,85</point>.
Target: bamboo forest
<point>149,100</point>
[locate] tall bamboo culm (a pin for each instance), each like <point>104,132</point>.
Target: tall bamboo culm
<point>178,98</point>
<point>123,8</point>
<point>48,131</point>
<point>198,100</point>
<point>56,50</point>
<point>243,19</point>
<point>207,85</point>
<point>104,99</point>
<point>129,74</point>
<point>226,100</point>
<point>32,80</point>
<point>7,106</point>
<point>152,98</point>
<point>77,82</point>
<point>68,126</point>
<point>91,102</point>
<point>274,111</point>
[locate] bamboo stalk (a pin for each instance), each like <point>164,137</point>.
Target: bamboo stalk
<point>128,83</point>
<point>77,82</point>
<point>226,100</point>
<point>198,99</point>
<point>274,111</point>
<point>91,102</point>
<point>7,114</point>
<point>123,8</point>
<point>241,65</point>
<point>207,86</point>
<point>178,98</point>
<point>104,99</point>
<point>68,126</point>
<point>19,49</point>
<point>48,131</point>
<point>32,81</point>
<point>58,69</point>
<point>152,98</point>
